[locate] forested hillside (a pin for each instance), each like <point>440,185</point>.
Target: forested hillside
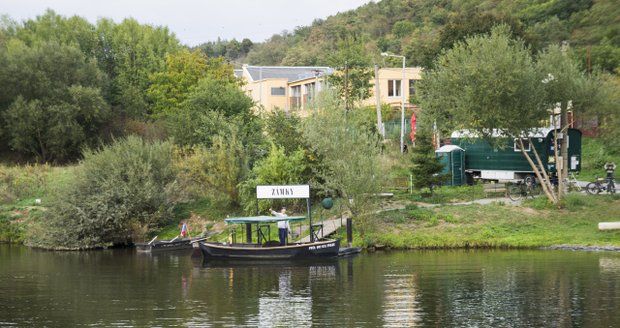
<point>421,29</point>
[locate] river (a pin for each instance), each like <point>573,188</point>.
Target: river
<point>461,288</point>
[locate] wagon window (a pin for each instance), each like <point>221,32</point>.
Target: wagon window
<point>526,144</point>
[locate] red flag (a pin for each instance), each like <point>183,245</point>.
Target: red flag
<point>413,127</point>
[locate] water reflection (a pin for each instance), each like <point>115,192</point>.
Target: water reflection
<point>285,306</point>
<point>397,289</point>
<point>400,306</point>
<point>271,294</point>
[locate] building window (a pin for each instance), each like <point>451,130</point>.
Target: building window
<point>295,99</point>
<point>411,88</point>
<point>393,88</point>
<point>278,91</point>
<point>310,91</point>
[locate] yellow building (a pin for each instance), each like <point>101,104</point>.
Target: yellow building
<point>390,80</point>
<point>286,88</point>
<point>294,89</point>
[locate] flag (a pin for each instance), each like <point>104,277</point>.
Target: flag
<point>413,127</point>
<point>184,231</point>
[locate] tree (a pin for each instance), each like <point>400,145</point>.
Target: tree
<point>170,87</point>
<point>277,168</point>
<point>566,87</point>
<point>352,80</point>
<point>489,85</point>
<point>50,100</point>
<point>426,167</point>
<point>349,154</point>
<point>129,53</point>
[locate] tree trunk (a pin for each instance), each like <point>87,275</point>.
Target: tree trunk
<point>557,157</point>
<point>540,172</point>
<point>564,151</point>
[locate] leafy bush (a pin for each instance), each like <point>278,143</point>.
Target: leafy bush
<point>11,231</point>
<point>121,193</point>
<point>277,169</point>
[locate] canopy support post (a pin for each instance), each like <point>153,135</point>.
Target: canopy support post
<point>248,233</point>
<point>310,218</point>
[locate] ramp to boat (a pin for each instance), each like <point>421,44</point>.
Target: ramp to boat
<point>329,227</point>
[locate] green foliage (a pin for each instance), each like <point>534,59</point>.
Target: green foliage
<point>422,30</point>
<point>426,167</point>
<point>339,140</point>
<point>574,202</point>
<point>483,84</point>
<point>232,50</point>
<point>209,109</point>
<point>12,231</point>
<point>184,70</point>
<point>51,103</point>
<point>595,153</point>
<point>352,80</point>
<point>21,182</point>
<point>277,168</point>
<point>608,115</point>
<point>129,53</point>
<point>121,193</point>
<point>216,171</point>
<point>402,28</point>
<point>284,130</point>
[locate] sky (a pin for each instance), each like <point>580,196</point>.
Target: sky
<point>193,21</point>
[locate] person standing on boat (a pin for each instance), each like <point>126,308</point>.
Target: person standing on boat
<point>283,226</point>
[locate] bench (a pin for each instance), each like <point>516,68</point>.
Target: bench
<point>609,226</point>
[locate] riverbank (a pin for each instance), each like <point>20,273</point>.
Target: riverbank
<point>405,221</point>
<point>532,224</point>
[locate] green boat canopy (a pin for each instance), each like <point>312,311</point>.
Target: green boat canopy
<point>263,219</point>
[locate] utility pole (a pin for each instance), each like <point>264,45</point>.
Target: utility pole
<point>378,97</point>
<point>346,86</point>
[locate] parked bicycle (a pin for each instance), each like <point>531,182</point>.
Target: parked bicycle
<point>523,189</point>
<point>601,185</point>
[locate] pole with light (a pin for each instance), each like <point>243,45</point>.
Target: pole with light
<point>402,94</point>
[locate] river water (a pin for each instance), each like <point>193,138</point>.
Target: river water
<point>463,288</point>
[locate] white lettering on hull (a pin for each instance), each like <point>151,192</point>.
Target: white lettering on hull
<point>314,248</point>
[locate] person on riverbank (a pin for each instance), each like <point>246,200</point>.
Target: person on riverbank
<point>283,226</point>
<point>610,168</point>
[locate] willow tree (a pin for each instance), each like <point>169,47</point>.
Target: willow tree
<point>490,85</point>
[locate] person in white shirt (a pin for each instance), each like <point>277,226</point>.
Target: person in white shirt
<point>283,226</point>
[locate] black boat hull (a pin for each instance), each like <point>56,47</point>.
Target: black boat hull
<point>164,246</point>
<point>323,248</point>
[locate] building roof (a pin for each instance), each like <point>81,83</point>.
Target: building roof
<point>238,73</point>
<point>533,133</point>
<point>448,149</point>
<point>289,73</point>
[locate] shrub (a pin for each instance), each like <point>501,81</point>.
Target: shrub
<point>121,193</point>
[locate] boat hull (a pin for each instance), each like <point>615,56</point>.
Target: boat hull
<point>164,246</point>
<point>323,248</point>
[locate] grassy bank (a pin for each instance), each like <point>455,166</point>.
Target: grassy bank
<point>532,224</point>
<point>24,192</point>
